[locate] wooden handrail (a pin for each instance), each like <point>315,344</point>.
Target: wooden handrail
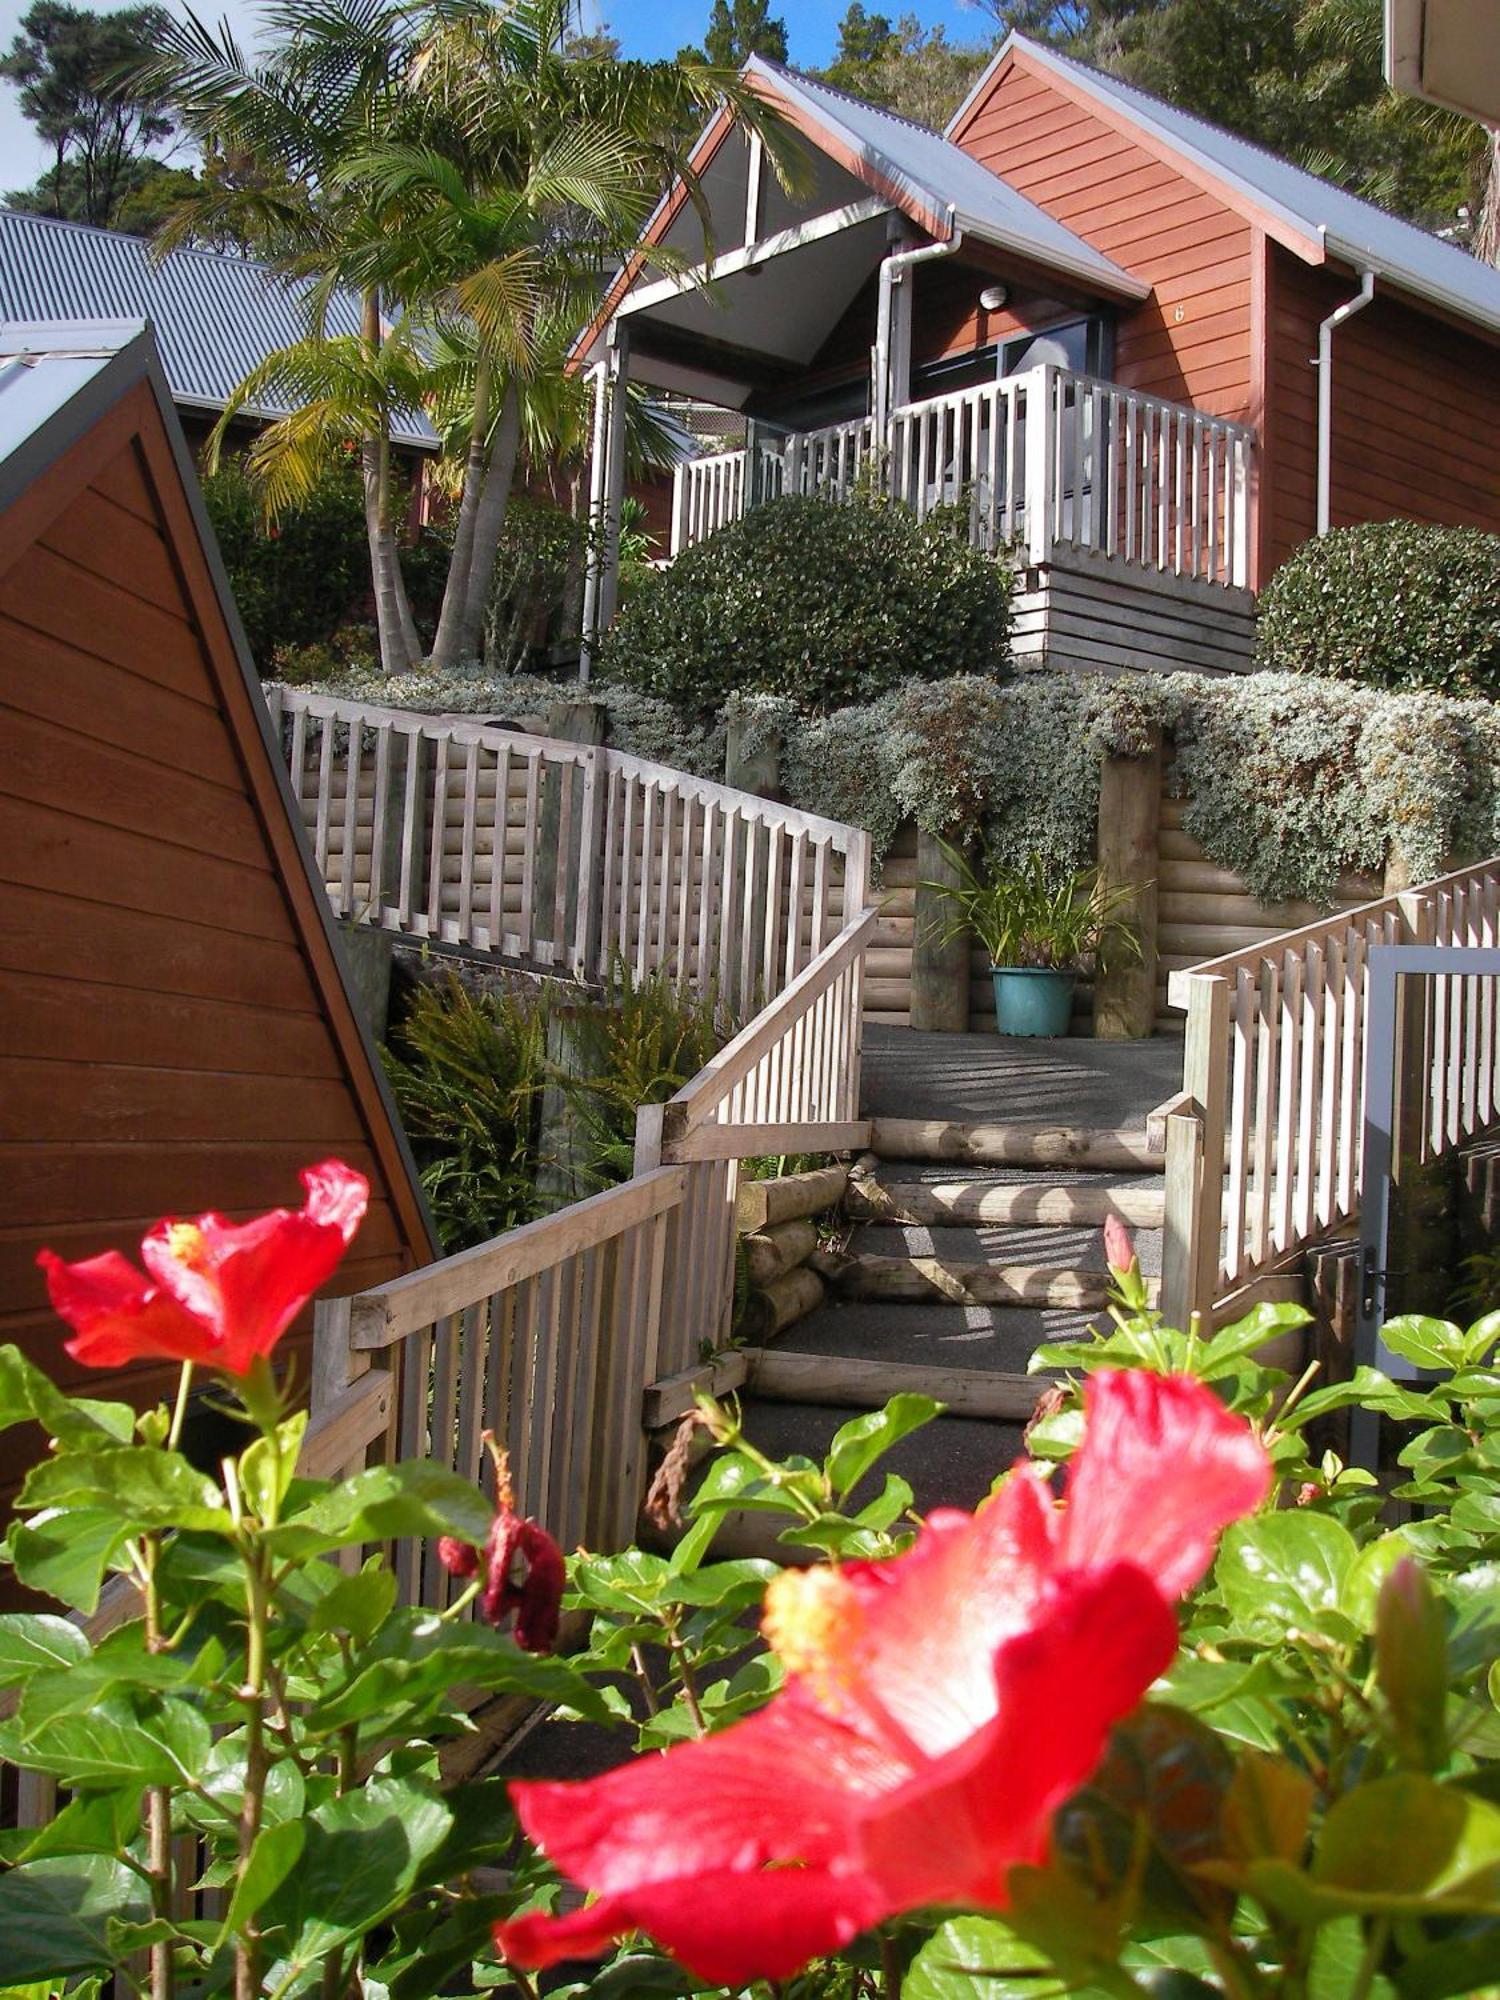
<point>699,1099</point>
<point>401,1306</point>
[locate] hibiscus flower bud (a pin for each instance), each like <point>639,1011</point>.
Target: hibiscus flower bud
<point>1124,1266</point>
<point>524,1573</point>
<point>1119,1251</point>
<point>458,1558</point>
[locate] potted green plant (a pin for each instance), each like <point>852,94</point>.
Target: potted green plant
<point>1040,927</point>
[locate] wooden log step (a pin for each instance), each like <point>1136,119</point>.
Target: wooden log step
<point>971,1283</point>
<point>1138,1201</point>
<point>1017,1145</point>
<point>844,1382</point>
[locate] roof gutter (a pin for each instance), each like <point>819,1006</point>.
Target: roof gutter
<point>1324,366</point>
<point>893,270</point>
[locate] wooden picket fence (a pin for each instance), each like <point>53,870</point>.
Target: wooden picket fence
<point>576,859</point>
<point>1264,1142</point>
<point>563,857</point>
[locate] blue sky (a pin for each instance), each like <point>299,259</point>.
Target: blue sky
<point>645,28</point>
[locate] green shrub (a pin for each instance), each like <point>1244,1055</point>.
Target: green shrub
<point>297,582</point>
<point>536,596</point>
<point>467,1071</point>
<point>822,603</point>
<point>1393,605</point>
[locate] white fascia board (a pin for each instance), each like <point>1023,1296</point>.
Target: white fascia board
<point>1117,281</point>
<point>814,230</point>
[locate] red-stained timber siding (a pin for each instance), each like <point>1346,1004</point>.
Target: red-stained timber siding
<point>165,1042</point>
<point>1191,341</point>
<point>1416,412</point>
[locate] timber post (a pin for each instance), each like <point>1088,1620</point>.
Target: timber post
<point>1129,811</point>
<point>1419,1234</point>
<point>939,963</point>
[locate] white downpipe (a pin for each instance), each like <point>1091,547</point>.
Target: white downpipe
<point>1326,328</point>
<point>893,270</point>
<point>599,378</point>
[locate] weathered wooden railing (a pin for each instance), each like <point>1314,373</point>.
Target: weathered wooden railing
<point>1264,1145</point>
<point>569,857</point>
<point>557,856</point>
<point>1047,462</point>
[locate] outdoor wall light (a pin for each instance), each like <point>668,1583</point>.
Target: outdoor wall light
<point>993,297</point>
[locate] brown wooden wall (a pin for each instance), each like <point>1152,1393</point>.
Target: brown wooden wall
<point>1416,412</point>
<point>165,1035</point>
<point>1192,248</point>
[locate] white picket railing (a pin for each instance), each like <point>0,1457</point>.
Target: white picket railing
<point>1273,1082</point>
<point>560,856</point>
<point>1047,461</point>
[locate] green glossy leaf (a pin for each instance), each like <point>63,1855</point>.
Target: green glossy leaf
<point>66,1555</point>
<point>144,1487</point>
<point>1409,1837</point>
<point>387,1502</point>
<point>419,1660</point>
<point>1430,1343</point>
<point>113,1748</point>
<point>734,1481</point>
<point>53,1914</point>
<point>1265,1323</point>
<point>94,1823</point>
<point>1368,1388</point>
<point>1284,1570</point>
<point>1366,1574</point>
<point>275,1854</point>
<point>859,1445</point>
<point>362,1857</point>
<point>1467,1961</point>
<point>970,1958</point>
<point>268,1465</point>
<point>25,1392</point>
<point>1480,1338</point>
<point>32,1643</point>
<point>358,1605</point>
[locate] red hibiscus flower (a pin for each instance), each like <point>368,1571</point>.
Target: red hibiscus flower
<point>938,1709</point>
<point>218,1293</point>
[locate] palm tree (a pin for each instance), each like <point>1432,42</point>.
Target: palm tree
<point>454,163</point>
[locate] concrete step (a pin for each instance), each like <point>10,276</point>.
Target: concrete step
<point>906,1192</point>
<point>983,1339</point>
<point>951,1463</point>
<point>1120,1149</point>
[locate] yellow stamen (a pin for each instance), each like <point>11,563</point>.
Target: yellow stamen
<point>187,1244</point>
<point>812,1621</point>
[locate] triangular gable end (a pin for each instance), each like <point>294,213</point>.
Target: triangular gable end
<point>175,1026</point>
<point>1016,53</point>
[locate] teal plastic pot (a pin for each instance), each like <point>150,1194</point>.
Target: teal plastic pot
<point>1032,999</point>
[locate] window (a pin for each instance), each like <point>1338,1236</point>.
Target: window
<point>1084,345</point>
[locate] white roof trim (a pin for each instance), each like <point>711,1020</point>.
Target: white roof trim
<point>1090,267</point>
<point>748,255</point>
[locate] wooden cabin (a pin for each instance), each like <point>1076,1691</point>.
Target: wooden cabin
<point>176,1032</point>
<point>1147,357</point>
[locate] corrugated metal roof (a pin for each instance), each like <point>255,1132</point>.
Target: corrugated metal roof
<point>215,317</point>
<point>940,175</point>
<point>1355,231</point>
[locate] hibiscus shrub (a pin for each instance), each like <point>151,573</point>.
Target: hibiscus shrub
<point>1151,1732</point>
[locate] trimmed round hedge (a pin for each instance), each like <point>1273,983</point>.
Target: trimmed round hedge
<point>1395,604</point>
<point>823,603</point>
